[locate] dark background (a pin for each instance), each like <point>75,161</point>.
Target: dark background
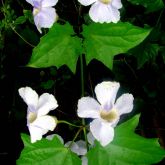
<point>145,83</point>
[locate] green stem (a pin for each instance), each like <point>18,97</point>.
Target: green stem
<point>82,80</point>
<point>82,94</point>
<point>21,37</point>
<point>82,75</point>
<point>159,18</point>
<point>65,122</point>
<point>4,13</point>
<point>75,137</point>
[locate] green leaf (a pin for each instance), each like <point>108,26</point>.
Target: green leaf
<point>58,47</point>
<point>145,52</point>
<point>46,152</point>
<point>20,20</point>
<point>104,41</point>
<point>48,84</point>
<point>162,50</point>
<point>150,5</point>
<point>28,15</point>
<point>127,148</point>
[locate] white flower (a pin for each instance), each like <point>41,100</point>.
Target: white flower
<point>103,10</point>
<point>44,14</point>
<point>38,122</point>
<point>50,137</point>
<point>90,139</point>
<point>79,148</point>
<point>107,112</point>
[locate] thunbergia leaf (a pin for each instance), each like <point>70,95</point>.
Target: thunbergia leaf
<point>145,52</point>
<point>150,5</point>
<point>58,47</point>
<point>104,41</point>
<point>127,148</point>
<point>46,152</point>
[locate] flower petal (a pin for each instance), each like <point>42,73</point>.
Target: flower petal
<point>117,4</point>
<point>90,138</point>
<point>45,18</point>
<point>30,97</point>
<point>114,123</point>
<point>78,147</point>
<point>102,131</point>
<point>45,122</point>
<point>49,3</point>
<point>74,147</point>
<point>100,12</point>
<point>36,133</point>
<point>114,14</point>
<point>50,137</point>
<point>124,104</point>
<point>88,108</point>
<point>46,103</point>
<point>106,93</point>
<point>84,160</point>
<point>31,2</point>
<point>82,147</point>
<point>87,2</point>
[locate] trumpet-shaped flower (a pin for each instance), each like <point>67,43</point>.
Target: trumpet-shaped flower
<point>103,10</point>
<point>38,122</point>
<point>43,12</point>
<point>105,112</point>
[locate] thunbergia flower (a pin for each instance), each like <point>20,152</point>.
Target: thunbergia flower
<point>50,137</point>
<point>43,12</point>
<point>79,148</point>
<point>38,122</point>
<point>106,112</point>
<point>103,10</point>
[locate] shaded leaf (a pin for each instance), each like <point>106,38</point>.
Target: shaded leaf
<point>150,5</point>
<point>20,20</point>
<point>145,52</point>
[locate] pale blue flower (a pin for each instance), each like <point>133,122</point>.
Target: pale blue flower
<point>38,122</point>
<point>43,12</point>
<point>103,10</point>
<point>106,111</point>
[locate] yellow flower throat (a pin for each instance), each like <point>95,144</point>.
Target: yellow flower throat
<point>105,1</point>
<point>109,115</point>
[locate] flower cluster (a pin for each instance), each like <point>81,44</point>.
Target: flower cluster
<point>105,112</point>
<point>101,11</point>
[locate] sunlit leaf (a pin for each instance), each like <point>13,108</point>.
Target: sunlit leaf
<point>46,152</point>
<point>58,47</point>
<point>104,41</point>
<point>127,148</point>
